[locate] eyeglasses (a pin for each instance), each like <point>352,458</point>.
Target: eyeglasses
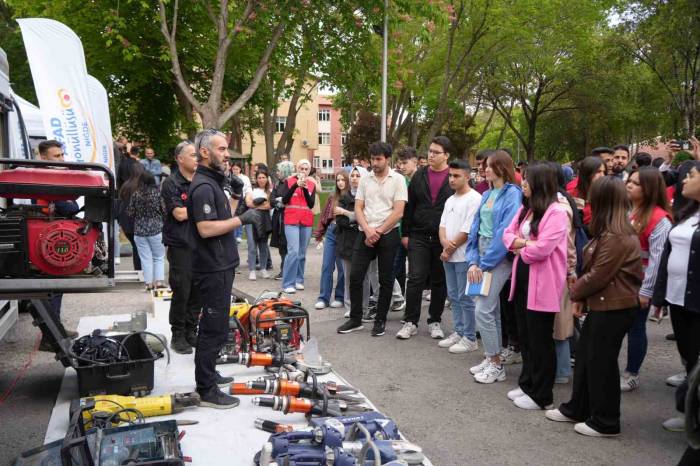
<point>435,152</point>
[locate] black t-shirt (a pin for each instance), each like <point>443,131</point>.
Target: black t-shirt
<point>174,191</point>
<point>207,201</point>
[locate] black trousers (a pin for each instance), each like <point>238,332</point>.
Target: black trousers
<point>214,297</point>
<point>424,264</point>
<point>536,343</point>
<point>509,323</point>
<point>400,268</point>
<point>134,251</point>
<point>384,251</point>
<point>184,309</point>
<point>595,398</point>
<point>686,327</point>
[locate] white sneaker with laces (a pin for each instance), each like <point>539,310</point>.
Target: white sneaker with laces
<point>584,429</point>
<point>299,286</point>
<point>515,393</point>
<point>556,416</point>
<point>449,341</point>
<point>336,304</point>
<point>464,345</point>
<point>436,331</point>
<point>407,331</point>
<point>492,373</point>
<point>265,273</point>
<point>320,304</point>
<point>251,276</point>
<point>479,367</point>
<point>525,402</point>
<point>629,382</point>
<point>508,356</point>
<point>290,290</point>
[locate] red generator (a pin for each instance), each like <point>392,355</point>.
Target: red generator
<point>45,245</point>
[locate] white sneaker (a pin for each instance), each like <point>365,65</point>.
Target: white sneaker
<point>629,382</point>
<point>117,260</point>
<point>426,295</point>
<point>397,306</point>
<point>676,380</point>
<point>492,373</point>
<point>435,331</point>
<point>556,416</point>
<point>508,356</point>
<point>347,314</point>
<point>265,273</point>
<point>479,367</point>
<point>464,345</point>
<point>336,304</point>
<point>675,424</point>
<point>238,240</point>
<point>320,304</point>
<point>407,331</point>
<point>449,341</point>
<point>515,393</point>
<point>584,429</point>
<point>290,290</point>
<point>251,276</point>
<point>525,402</point>
<point>299,286</point>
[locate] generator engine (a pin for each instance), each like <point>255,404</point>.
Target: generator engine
<point>39,235</point>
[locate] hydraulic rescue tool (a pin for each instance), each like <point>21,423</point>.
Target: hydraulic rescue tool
<point>324,407</point>
<point>282,387</point>
<point>338,443</point>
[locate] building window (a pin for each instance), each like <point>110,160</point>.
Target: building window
<point>327,163</point>
<point>280,124</point>
<point>324,138</point>
<point>324,114</point>
<point>343,138</point>
<point>317,161</point>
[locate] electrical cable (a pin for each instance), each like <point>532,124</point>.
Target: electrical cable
<point>22,372</point>
<point>368,444</point>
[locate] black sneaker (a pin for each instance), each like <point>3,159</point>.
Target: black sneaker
<point>191,338</point>
<point>217,399</point>
<point>369,315</point>
<point>350,326</point>
<point>180,345</point>
<point>278,276</point>
<point>378,328</point>
<point>222,381</point>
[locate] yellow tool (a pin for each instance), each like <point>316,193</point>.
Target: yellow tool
<point>117,409</point>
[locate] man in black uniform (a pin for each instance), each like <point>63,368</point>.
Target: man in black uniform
<point>183,306</point>
<point>214,259</point>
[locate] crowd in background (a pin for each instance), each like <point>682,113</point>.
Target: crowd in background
<point>546,264</point>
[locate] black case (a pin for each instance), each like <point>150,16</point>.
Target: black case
<point>134,377</point>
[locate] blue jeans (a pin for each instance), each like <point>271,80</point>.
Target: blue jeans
<point>256,249</point>
<point>637,341</point>
<point>152,255</point>
<point>331,262</point>
<point>298,237</point>
<point>488,308</point>
<point>462,305</point>
<point>563,351</point>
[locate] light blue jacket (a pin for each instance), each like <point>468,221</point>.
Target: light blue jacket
<point>505,207</point>
<point>154,167</point>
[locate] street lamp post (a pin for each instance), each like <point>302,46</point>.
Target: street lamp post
<point>385,48</point>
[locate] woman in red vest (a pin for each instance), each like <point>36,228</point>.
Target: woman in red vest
<point>651,219</point>
<point>298,220</point>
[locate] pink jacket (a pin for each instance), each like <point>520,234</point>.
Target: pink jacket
<point>546,257</point>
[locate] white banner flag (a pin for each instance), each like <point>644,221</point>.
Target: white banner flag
<point>99,106</point>
<point>57,62</point>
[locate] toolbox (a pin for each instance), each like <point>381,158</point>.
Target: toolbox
<point>132,377</point>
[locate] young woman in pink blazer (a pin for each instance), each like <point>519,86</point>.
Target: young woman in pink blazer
<point>538,238</point>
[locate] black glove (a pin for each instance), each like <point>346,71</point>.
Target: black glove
<point>250,217</point>
<point>236,186</point>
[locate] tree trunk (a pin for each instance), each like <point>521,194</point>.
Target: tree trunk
<point>269,134</point>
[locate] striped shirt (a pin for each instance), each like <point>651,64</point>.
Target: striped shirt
<point>657,240</point>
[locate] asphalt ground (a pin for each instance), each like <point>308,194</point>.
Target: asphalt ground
<point>426,390</point>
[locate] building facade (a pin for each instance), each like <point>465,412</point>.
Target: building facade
<point>318,135</point>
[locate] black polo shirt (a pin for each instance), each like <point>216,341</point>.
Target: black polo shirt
<point>207,201</point>
<point>174,194</point>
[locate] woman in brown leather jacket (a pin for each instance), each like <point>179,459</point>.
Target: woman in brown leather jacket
<point>609,290</point>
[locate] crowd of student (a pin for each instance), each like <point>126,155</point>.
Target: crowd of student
<point>544,263</point>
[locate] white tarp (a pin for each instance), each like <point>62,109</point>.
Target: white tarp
<point>57,63</point>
